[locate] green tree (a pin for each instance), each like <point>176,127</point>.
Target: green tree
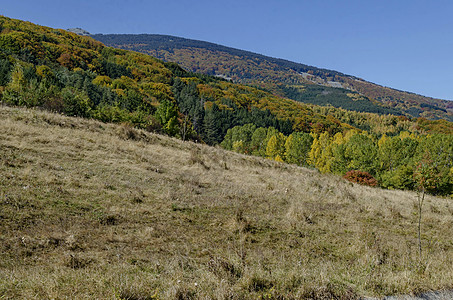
<point>239,133</point>
<point>258,142</point>
<point>76,103</point>
<point>396,163</point>
<point>433,171</point>
<point>15,90</point>
<point>5,70</point>
<point>27,88</point>
<point>297,147</point>
<point>433,161</point>
<point>227,142</point>
<point>361,154</point>
<point>167,114</point>
<point>211,127</point>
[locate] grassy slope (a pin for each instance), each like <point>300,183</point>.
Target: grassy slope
<point>92,210</point>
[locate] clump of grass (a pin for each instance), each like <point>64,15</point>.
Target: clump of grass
<point>76,261</point>
<point>128,132</point>
<point>109,220</point>
<point>137,293</point>
<point>196,157</point>
<point>225,269</point>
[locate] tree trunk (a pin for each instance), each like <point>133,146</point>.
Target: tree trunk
<point>421,198</point>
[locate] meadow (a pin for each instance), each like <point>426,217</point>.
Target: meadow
<point>94,210</point>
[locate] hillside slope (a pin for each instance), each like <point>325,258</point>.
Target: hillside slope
<point>94,210</point>
<point>77,75</point>
<point>298,81</point>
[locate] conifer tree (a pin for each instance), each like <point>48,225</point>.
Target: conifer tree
<point>210,127</point>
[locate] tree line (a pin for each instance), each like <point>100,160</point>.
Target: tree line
<point>403,161</point>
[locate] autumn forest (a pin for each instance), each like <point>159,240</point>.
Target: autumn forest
<point>62,72</point>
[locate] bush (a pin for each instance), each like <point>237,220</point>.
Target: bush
<point>360,177</point>
<point>75,103</point>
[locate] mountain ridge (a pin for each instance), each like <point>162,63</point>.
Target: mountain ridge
<point>211,58</point>
<point>202,44</point>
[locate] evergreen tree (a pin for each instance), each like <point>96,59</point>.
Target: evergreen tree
<point>211,126</point>
<point>5,69</point>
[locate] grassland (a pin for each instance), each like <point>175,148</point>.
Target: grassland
<point>93,210</point>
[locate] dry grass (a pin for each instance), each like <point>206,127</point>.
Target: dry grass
<point>92,210</point>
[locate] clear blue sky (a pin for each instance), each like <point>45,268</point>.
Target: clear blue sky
<point>403,44</point>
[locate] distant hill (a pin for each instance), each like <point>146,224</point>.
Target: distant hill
<point>297,81</point>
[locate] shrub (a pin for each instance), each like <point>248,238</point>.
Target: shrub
<point>360,177</point>
<point>76,103</point>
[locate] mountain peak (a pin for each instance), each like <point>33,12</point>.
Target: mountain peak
<point>78,31</point>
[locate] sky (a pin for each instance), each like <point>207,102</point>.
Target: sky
<point>403,44</point>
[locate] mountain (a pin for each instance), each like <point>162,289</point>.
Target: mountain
<point>294,80</point>
<point>77,75</point>
<point>103,211</point>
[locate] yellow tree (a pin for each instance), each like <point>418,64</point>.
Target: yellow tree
<point>315,151</point>
<point>102,80</point>
<point>238,146</point>
<point>321,154</point>
<point>276,146</point>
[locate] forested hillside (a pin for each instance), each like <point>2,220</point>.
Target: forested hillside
<point>62,72</point>
<point>76,75</point>
<point>297,81</point>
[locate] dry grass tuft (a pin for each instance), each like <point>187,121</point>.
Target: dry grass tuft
<point>127,132</point>
<point>93,210</point>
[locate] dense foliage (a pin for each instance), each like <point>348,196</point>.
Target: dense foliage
<point>296,81</point>
<point>337,97</point>
<point>403,161</point>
